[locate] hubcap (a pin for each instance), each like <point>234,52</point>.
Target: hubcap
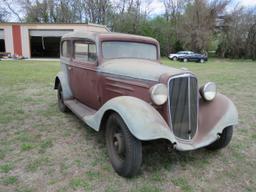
<point>118,142</point>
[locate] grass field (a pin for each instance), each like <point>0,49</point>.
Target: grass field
<point>42,149</point>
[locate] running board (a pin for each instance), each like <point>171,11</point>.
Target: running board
<point>79,109</point>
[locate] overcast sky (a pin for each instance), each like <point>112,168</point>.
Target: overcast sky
<point>157,7</point>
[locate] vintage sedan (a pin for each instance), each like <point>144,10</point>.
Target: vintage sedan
<point>116,83</point>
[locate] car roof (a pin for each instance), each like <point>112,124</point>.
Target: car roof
<point>96,36</point>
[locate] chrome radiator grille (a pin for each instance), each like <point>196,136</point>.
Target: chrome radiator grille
<point>183,102</point>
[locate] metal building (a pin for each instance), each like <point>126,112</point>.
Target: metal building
<point>32,40</point>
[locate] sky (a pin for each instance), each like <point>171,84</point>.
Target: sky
<point>157,7</point>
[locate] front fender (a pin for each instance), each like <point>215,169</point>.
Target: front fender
<point>143,121</point>
<point>213,117</point>
<point>63,80</point>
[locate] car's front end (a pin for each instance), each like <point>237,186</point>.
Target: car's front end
<point>196,117</point>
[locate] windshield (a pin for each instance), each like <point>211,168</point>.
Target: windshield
<point>124,49</point>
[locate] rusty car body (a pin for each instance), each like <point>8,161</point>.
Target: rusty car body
<point>115,82</point>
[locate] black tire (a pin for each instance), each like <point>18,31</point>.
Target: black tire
<point>124,150</point>
<point>62,107</point>
<point>224,139</point>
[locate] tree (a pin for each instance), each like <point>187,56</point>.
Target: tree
<point>237,39</point>
<point>199,21</point>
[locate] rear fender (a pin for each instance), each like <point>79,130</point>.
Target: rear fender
<point>143,121</point>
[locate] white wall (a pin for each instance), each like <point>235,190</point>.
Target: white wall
<point>8,40</point>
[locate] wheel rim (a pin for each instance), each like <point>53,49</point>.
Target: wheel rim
<point>118,143</point>
<point>201,60</point>
<point>175,58</point>
<point>185,60</point>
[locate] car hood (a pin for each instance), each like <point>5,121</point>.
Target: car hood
<point>138,68</point>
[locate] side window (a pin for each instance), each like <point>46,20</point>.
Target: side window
<point>81,51</point>
<point>66,49</point>
<point>84,51</point>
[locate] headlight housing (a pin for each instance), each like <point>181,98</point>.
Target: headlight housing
<point>158,94</point>
<point>208,91</point>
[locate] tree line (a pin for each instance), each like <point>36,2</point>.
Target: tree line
<point>197,25</point>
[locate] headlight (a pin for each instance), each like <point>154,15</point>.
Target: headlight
<point>159,94</point>
<point>208,91</point>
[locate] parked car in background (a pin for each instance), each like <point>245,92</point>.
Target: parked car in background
<point>191,56</point>
<point>175,56</point>
<point>115,83</point>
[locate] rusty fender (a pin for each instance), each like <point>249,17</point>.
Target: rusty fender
<point>63,79</point>
<point>143,121</point>
<point>216,115</point>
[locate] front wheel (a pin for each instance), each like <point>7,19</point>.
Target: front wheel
<point>174,58</point>
<point>224,139</point>
<point>124,150</point>
<point>185,60</point>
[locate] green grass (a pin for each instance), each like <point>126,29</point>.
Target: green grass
<point>183,184</point>
<point>9,180</point>
<point>78,183</point>
<point>42,149</point>
<point>5,168</point>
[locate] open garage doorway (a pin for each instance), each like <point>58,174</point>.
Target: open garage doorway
<point>45,47</point>
<point>2,43</point>
<point>46,43</point>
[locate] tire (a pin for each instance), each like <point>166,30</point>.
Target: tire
<point>224,139</point>
<point>174,58</point>
<point>201,60</point>
<point>124,150</point>
<point>62,107</point>
<point>185,60</point>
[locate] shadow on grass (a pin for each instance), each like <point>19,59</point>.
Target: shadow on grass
<point>157,155</point>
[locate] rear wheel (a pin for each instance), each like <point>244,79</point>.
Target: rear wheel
<point>174,58</point>
<point>185,60</point>
<point>224,139</point>
<point>124,150</point>
<point>63,108</point>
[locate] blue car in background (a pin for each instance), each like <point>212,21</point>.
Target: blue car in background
<point>191,56</point>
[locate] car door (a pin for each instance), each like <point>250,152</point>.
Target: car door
<point>83,75</point>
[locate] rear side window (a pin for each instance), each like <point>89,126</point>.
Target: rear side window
<point>84,51</point>
<point>66,48</point>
